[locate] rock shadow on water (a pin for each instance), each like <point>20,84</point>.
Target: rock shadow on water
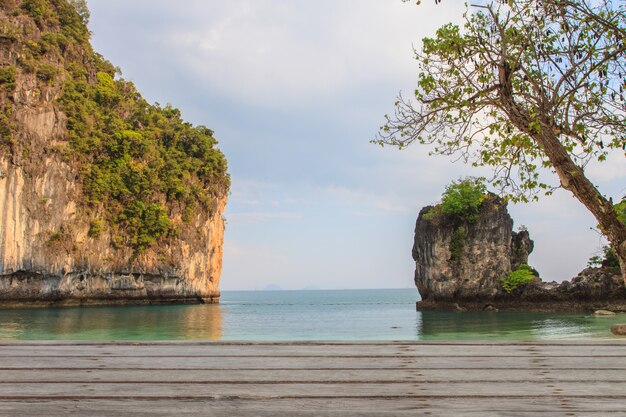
<point>189,322</point>
<point>511,325</point>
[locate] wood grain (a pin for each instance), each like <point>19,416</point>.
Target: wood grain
<point>312,378</point>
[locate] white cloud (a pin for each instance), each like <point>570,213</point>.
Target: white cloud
<point>372,202</point>
<point>263,217</point>
<point>262,194</point>
<point>250,67</point>
<point>268,52</point>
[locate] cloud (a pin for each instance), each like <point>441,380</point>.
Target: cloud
<point>255,193</point>
<point>364,202</point>
<point>263,217</point>
<point>295,90</point>
<point>269,52</point>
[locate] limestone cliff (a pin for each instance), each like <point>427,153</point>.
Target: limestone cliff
<point>460,265</point>
<point>486,250</point>
<point>62,239</point>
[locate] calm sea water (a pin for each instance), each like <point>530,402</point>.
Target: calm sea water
<point>297,315</point>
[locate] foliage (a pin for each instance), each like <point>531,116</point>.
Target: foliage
<point>457,243</point>
<point>460,203</point>
<point>7,85</point>
<point>6,127</point>
<point>462,199</point>
<point>7,78</point>
<point>145,223</point>
<point>521,276</point>
<point>96,227</point>
<point>135,156</point>
<point>608,259</point>
<point>56,237</point>
<point>66,20</point>
<point>567,69</point>
<point>37,9</point>
<point>81,9</point>
<point>523,86</point>
<point>46,72</point>
<point>143,169</point>
<point>620,209</point>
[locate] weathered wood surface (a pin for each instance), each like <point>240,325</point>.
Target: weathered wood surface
<point>312,379</point>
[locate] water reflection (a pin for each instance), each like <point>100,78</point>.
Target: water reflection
<point>298,315</point>
<point>437,325</point>
<point>203,322</point>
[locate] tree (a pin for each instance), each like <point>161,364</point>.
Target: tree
<point>525,85</point>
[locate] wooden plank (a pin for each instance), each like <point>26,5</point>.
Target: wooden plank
<point>214,391</point>
<point>394,350</point>
<point>35,376</point>
<point>227,363</point>
<point>445,407</point>
<point>608,341</point>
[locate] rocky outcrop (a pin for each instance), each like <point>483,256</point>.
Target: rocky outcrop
<point>47,257</point>
<point>460,265</point>
<point>48,253</point>
<point>465,261</point>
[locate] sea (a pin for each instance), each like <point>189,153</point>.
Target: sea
<point>348,315</point>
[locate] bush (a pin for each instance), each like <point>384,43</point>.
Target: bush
<point>460,201</point>
<point>521,276</point>
<point>620,208</point>
<point>609,259</point>
<point>96,227</point>
<point>7,78</point>
<point>46,72</point>
<point>56,237</point>
<point>457,243</point>
<point>37,9</point>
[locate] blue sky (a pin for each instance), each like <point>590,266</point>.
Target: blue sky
<point>295,90</point>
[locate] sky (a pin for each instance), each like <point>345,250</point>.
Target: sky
<point>295,90</point>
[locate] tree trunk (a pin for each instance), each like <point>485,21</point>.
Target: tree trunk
<point>573,179</point>
<point>571,175</point>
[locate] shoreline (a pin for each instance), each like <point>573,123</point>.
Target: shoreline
<point>118,302</point>
<point>539,306</point>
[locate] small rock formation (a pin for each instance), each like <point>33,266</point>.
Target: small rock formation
<point>619,329</point>
<point>460,265</point>
<point>465,261</point>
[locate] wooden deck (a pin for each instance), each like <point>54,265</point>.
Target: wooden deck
<point>312,379</point>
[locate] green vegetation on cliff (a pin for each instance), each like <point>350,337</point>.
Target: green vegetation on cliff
<point>521,276</point>
<point>143,169</point>
<point>460,204</point>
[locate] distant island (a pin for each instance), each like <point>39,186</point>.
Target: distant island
<point>104,198</point>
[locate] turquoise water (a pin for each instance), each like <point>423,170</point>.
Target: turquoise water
<point>297,315</point>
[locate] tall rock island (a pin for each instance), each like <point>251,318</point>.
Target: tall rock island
<point>104,198</point>
<point>478,262</point>
<point>457,260</point>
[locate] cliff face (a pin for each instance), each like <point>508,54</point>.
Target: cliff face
<point>57,246</point>
<point>460,265</point>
